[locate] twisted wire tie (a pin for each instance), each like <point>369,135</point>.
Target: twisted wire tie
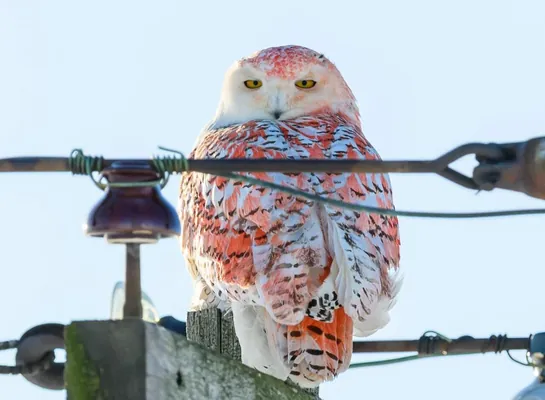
<point>426,341</point>
<point>81,164</point>
<point>168,165</point>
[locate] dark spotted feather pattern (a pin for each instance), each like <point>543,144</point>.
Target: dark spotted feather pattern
<point>303,274</point>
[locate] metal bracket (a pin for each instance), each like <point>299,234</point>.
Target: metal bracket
<point>520,168</point>
<point>36,344</point>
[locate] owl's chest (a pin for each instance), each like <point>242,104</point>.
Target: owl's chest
<point>279,139</point>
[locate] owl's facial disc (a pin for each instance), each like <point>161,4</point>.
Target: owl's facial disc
<point>269,96</point>
<point>283,83</point>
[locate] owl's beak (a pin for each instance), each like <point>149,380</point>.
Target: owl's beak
<point>277,114</point>
<point>278,104</point>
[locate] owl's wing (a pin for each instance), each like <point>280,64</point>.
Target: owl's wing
<point>258,246</point>
<point>251,244</point>
<point>365,276</point>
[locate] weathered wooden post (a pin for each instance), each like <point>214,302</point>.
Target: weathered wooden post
<point>138,360</point>
<point>215,330</point>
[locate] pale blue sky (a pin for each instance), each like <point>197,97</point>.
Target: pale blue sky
<point>120,78</point>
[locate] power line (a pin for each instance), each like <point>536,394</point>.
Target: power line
<point>78,163</point>
<point>513,166</point>
<point>434,344</point>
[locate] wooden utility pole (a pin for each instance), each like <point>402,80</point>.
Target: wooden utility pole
<point>137,360</point>
<point>216,331</point>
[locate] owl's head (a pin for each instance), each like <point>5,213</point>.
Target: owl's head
<point>283,83</point>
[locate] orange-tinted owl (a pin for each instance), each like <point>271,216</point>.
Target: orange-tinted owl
<point>300,277</point>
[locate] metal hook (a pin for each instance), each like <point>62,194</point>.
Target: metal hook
<point>480,150</point>
<point>36,344</point>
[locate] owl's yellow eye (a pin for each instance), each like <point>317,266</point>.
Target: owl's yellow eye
<point>305,83</point>
<point>253,83</point>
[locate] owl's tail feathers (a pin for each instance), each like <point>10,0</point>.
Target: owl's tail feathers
<point>318,351</point>
<point>308,353</point>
